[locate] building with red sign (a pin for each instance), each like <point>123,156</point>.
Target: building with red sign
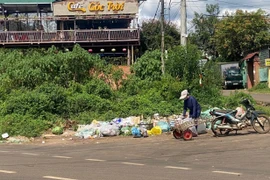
<point>106,27</point>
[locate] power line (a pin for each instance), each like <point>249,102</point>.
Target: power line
<point>224,16</point>
<point>162,37</point>
<point>156,12</point>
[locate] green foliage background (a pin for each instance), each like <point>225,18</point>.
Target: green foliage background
<point>40,89</point>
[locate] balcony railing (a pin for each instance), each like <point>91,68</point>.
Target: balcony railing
<point>67,36</point>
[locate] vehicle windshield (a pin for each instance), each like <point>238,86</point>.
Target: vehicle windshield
<point>233,72</point>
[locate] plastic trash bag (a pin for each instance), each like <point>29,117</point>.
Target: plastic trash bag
<point>109,130</point>
<point>86,133</point>
<point>117,120</point>
<point>201,128</point>
<point>156,130</point>
<point>136,132</point>
<point>206,114</point>
<point>194,131</point>
<point>144,132</point>
<point>127,122</point>
<point>57,130</point>
<point>126,131</point>
<point>139,132</point>
<point>164,126</point>
<point>240,112</point>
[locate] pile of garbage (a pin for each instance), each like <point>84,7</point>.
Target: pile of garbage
<point>124,126</point>
<point>130,126</point>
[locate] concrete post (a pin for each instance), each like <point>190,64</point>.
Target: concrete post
<point>132,54</point>
<point>128,56</point>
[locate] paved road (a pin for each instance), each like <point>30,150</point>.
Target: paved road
<point>257,96</point>
<point>245,156</point>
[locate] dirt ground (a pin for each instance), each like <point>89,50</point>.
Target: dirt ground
<point>69,138</point>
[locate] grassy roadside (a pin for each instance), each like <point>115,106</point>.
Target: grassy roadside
<point>263,89</point>
<point>265,109</point>
<point>260,88</point>
<point>231,101</point>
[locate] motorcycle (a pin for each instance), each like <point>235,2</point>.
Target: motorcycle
<point>226,121</point>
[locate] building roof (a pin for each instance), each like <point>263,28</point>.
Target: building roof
<point>26,6</point>
<point>251,55</point>
<point>26,1</point>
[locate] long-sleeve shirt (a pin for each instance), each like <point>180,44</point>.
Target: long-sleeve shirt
<point>194,107</point>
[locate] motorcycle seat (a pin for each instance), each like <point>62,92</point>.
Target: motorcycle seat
<point>223,111</point>
<point>220,112</point>
<point>260,112</point>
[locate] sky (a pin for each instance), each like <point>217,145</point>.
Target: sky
<point>148,9</point>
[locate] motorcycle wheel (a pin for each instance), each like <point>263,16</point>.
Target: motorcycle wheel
<point>261,124</point>
<point>177,134</point>
<point>217,131</point>
<point>187,135</point>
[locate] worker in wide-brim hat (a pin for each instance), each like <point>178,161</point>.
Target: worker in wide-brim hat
<point>191,104</point>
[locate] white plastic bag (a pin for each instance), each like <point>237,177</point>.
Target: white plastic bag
<point>109,130</point>
<point>201,128</point>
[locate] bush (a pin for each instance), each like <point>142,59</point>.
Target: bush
<point>24,125</point>
<point>261,87</point>
<point>183,62</point>
<point>27,102</point>
<point>81,102</point>
<point>134,85</point>
<point>235,98</point>
<point>57,97</point>
<point>100,88</point>
<point>148,66</point>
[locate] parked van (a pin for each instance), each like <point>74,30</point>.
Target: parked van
<point>231,75</point>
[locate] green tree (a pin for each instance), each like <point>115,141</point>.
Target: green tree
<point>31,68</point>
<point>204,29</point>
<point>183,62</point>
<point>148,66</point>
<point>151,36</point>
<point>240,32</point>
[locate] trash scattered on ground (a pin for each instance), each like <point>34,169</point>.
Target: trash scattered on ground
<point>138,132</point>
<point>135,126</point>
<point>57,130</point>
<point>18,139</point>
<point>5,135</point>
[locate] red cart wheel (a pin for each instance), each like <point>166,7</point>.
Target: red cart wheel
<point>187,135</point>
<point>177,134</point>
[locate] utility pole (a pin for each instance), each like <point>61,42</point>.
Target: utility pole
<point>183,23</point>
<point>162,37</point>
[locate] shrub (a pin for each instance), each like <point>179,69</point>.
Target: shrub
<point>27,102</point>
<point>57,97</point>
<point>100,88</point>
<point>261,87</point>
<point>81,102</point>
<point>24,125</point>
<point>148,66</point>
<point>183,62</point>
<point>235,98</point>
<point>134,85</point>
<point>84,117</point>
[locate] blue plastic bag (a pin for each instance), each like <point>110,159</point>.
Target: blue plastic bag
<point>164,126</point>
<point>136,132</point>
